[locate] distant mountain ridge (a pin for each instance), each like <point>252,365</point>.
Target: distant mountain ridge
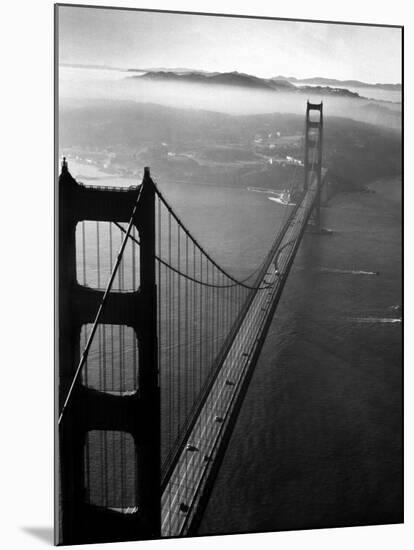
<point>243,80</point>
<point>319,80</point>
<point>280,80</point>
<point>177,70</point>
<point>230,79</point>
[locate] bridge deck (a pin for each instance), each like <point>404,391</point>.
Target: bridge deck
<point>182,496</point>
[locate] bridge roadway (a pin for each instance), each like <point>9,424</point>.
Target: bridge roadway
<point>183,494</point>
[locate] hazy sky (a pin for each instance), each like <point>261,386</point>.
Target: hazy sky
<point>136,39</point>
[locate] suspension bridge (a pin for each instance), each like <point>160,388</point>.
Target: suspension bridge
<point>157,344</point>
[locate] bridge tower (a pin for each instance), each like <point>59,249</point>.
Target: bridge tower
<point>134,413</point>
<point>313,154</point>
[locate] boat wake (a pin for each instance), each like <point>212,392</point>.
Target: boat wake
<point>347,271</point>
<point>282,196</point>
<point>277,192</point>
<point>282,201</point>
<point>375,320</point>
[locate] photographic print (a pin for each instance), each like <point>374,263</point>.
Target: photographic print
<point>228,274</point>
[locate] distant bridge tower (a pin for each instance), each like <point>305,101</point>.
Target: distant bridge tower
<point>313,154</point>
<point>91,411</point>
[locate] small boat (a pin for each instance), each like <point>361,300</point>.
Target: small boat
<point>284,196</point>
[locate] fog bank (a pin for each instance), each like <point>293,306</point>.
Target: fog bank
<point>88,84</point>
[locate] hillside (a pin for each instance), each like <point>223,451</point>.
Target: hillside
<point>208,147</point>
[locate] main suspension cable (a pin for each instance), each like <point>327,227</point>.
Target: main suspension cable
<point>197,244</point>
<point>194,280</point>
